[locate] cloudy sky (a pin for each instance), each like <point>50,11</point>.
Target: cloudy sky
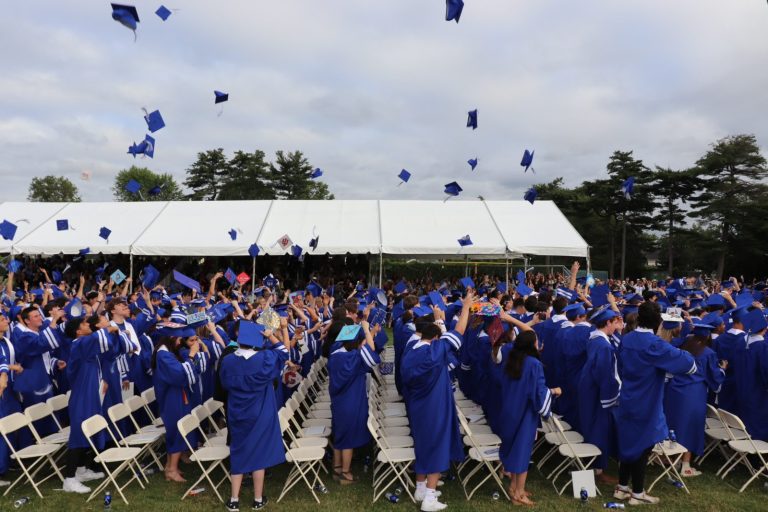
<point>366,88</point>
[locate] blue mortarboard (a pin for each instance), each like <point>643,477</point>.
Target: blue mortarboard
<point>501,287</point>
<point>281,309</point>
<point>315,289</point>
<point>472,163</point>
<point>126,15</point>
<point>163,12</point>
<point>62,225</point>
<point>421,311</point>
<point>530,195</point>
<point>436,300</point>
<point>149,146</point>
<point>296,250</point>
<point>627,186</point>
<point>716,300</point>
<point>404,175</point>
<point>754,321</point>
<point>467,282</point>
<point>712,319</point>
<point>472,119</point>
<point>313,243</point>
<point>137,149</point>
<point>602,314</point>
<point>176,330</point>
<point>574,310</point>
<point>230,276</point>
<point>702,328</point>
<point>738,314</point>
<point>453,9</point>
<point>133,186</point>
<point>13,266</point>
<point>744,298</point>
<point>316,173</point>
<point>56,275</point>
<point>186,281</point>
<point>154,121</point>
<point>401,287</point>
<point>7,230</point>
<point>523,289</point>
<point>253,250</point>
<point>220,97</point>
<point>104,232</point>
<point>349,333</point>
<point>725,285</point>
<point>527,160</point>
<point>452,188</point>
<point>465,241</point>
<point>84,251</point>
<point>220,311</point>
<point>156,190</point>
<point>151,276</point>
<point>74,308</point>
<point>598,295</point>
<point>233,234</point>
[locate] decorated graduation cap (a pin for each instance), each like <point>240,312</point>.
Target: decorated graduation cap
<point>530,195</point>
<point>404,176</point>
<point>104,233</point>
<point>8,229</point>
<point>127,16</point>
<point>350,333</point>
<point>74,308</point>
<point>154,120</point>
<point>527,161</point>
<point>452,189</point>
<point>453,10</point>
<point>627,186</point>
<point>465,241</point>
<point>230,276</point>
<point>316,173</point>
<point>472,119</point>
<point>671,322</point>
<point>175,330</point>
<point>472,163</point>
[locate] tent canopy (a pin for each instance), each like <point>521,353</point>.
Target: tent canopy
<point>186,228</point>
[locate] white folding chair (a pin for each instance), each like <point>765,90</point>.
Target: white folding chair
<point>390,465</point>
<point>44,410</point>
<point>124,457</point>
<point>743,448</point>
<point>32,458</point>
<point>716,434</point>
<point>59,403</point>
<point>136,403</point>
<point>668,454</point>
<point>149,398</point>
<point>577,455</point>
<point>305,461</point>
<point>147,441</point>
<point>216,455</point>
<point>484,450</point>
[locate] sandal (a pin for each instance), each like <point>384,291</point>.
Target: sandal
<point>337,473</point>
<point>347,478</point>
<point>524,501</point>
<point>690,472</point>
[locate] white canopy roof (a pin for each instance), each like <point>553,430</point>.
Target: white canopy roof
<point>188,228</point>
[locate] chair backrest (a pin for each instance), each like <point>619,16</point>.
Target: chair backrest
<point>93,425</point>
<point>148,395</point>
<point>38,411</point>
<point>557,427</point>
<point>283,416</point>
<point>187,424</point>
<point>200,413</point>
<point>58,402</point>
<point>13,422</point>
<point>464,423</point>
<point>118,412</point>
<point>134,403</point>
<point>731,421</point>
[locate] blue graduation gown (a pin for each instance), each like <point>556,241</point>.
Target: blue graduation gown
<point>254,428</point>
<point>208,377</point>
<point>173,380</point>
<point>523,400</point>
<point>431,407</point>
<point>196,389</point>
<point>598,392</point>
<point>685,401</point>
<point>574,354</point>
<point>401,333</point>
<point>465,375</point>
<point>752,385</point>
<point>34,383</point>
<point>112,375</point>
<point>84,374</point>
<point>731,346</point>
<point>644,359</point>
<point>8,402</point>
<point>555,357</point>
<point>349,398</point>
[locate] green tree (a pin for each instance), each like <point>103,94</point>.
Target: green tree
<point>170,190</point>
<point>246,177</point>
<point>290,178</point>
<point>204,177</point>
<point>53,189</point>
<point>731,173</point>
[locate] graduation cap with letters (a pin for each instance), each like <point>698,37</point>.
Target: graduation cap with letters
<point>349,333</point>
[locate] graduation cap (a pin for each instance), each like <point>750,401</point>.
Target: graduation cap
<point>744,299</point>
<point>401,287</point>
<point>404,176</point>
<point>127,16</point>
<point>501,287</point>
<point>149,146</point>
<point>738,314</point>
<point>602,314</point>
<point>453,9</point>
<point>313,243</point>
<point>220,97</point>
<point>8,230</point>
<point>163,12</point>
<point>574,310</point>
<point>467,282</point>
<point>712,319</point>
<point>133,186</point>
<point>151,276</point>
<point>62,225</point>
<point>253,250</point>
<point>281,309</point>
<point>598,296</point>
<point>754,321</point>
<point>716,300</point>
<point>233,234</point>
<point>349,333</point>
<point>84,251</point>
<point>452,189</point>
<point>465,241</point>
<point>315,289</point>
<point>472,163</point>
<point>530,195</point>
<point>316,173</point>
<point>523,289</point>
<point>527,161</point>
<point>296,251</point>
<point>626,187</point>
<point>14,266</point>
<point>230,276</point>
<point>175,330</point>
<point>104,233</point>
<point>186,281</point>
<point>472,119</point>
<point>436,300</point>
<point>137,149</point>
<point>702,328</point>
<point>421,311</point>
<point>74,308</point>
<point>156,190</point>
<point>154,120</point>
<point>56,275</point>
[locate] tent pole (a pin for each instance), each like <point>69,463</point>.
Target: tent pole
<point>130,273</point>
<point>381,269</point>
<point>253,276</point>
<point>466,265</point>
<point>506,274</point>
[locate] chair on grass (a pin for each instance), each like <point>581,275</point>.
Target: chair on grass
<point>484,450</point>
<point>578,456</point>
<point>216,455</point>
<point>668,454</point>
<point>147,441</point>
<point>305,461</point>
<point>390,465</point>
<point>744,449</point>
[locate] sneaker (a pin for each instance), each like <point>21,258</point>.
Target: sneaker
<point>420,495</point>
<point>4,483</point>
<point>643,499</point>
<point>690,472</point>
<point>621,494</point>
<point>86,475</point>
<point>432,505</point>
<point>260,504</point>
<point>74,485</point>
<point>233,506</point>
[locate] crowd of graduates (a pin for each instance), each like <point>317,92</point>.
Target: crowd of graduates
<point>623,362</point>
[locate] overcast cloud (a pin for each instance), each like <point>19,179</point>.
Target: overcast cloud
<point>366,88</point>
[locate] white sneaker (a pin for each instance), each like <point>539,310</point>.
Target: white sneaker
<point>420,495</point>
<point>432,505</point>
<point>689,472</point>
<point>4,483</point>
<point>643,499</point>
<point>86,475</point>
<point>74,485</point>
<point>621,494</point>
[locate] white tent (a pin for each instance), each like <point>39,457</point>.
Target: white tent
<point>404,228</point>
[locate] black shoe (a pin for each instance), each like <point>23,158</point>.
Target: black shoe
<point>257,505</point>
<point>233,506</point>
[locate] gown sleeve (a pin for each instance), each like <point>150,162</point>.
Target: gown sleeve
<point>608,377</point>
<point>173,372</point>
<point>539,394</point>
<point>672,360</point>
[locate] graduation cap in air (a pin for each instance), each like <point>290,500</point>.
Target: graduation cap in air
<point>313,243</point>
<point>220,97</point>
<point>137,149</point>
<point>472,119</point>
<point>452,189</point>
<point>84,251</point>
<point>14,266</point>
<point>253,250</point>
<point>467,282</point>
<point>186,281</point>
<point>465,241</point>
<point>233,234</point>
<point>156,190</point>
<point>436,300</point>
<point>527,161</point>
<point>315,289</point>
<point>296,251</point>
<point>149,146</point>
<point>104,233</point>
<point>127,16</point>
<point>230,276</point>
<point>154,120</point>
<point>8,230</point>
<point>316,173</point>
<point>530,195</point>
<point>453,9</point>
<point>523,289</point>
<point>56,275</point>
<point>163,12</point>
<point>62,225</point>
<point>404,176</point>
<point>133,187</point>
<point>151,276</point>
<point>626,187</point>
<point>74,308</point>
<point>472,163</point>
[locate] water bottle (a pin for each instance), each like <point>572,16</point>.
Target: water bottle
<point>495,496</point>
<point>672,437</point>
<point>21,502</point>
<point>108,501</point>
<point>613,505</point>
<point>584,495</point>
<point>393,498</point>
<point>398,490</point>
<point>676,483</point>
<point>321,488</point>
<point>366,463</point>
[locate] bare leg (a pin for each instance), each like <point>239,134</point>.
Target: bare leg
<point>432,480</point>
<point>172,468</point>
<point>258,484</point>
<point>346,463</point>
<point>336,463</point>
<point>237,481</point>
<point>522,495</point>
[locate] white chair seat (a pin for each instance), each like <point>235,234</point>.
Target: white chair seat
<point>320,406</point>
<point>396,455</point>
<point>579,450</point>
<point>36,450</point>
<point>466,403</point>
<point>117,454</point>
<point>479,429</point>
<point>209,453</point>
<point>309,442</point>
<point>217,441</point>
<point>320,413</point>
<point>396,431</point>
<point>667,448</point>
<point>721,434</point>
<point>304,454</point>
<point>746,447</point>
<point>393,413</point>
<point>142,438</point>
<point>316,422</point>
<point>315,432</point>
<point>56,438</point>
<point>397,441</point>
<point>152,428</point>
<point>398,421</point>
<point>483,439</point>
<point>570,435</point>
<point>489,453</point>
